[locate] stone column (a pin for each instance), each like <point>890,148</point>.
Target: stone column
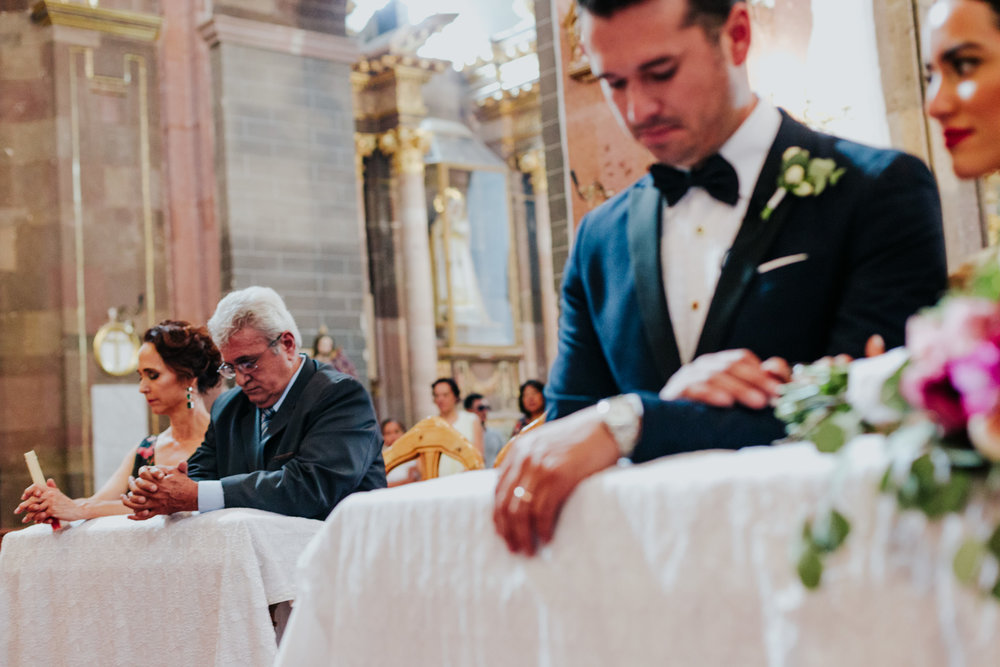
<point>533,163</point>
<point>407,146</point>
<point>364,146</point>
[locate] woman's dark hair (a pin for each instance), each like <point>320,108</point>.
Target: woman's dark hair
<point>451,383</point>
<point>537,384</point>
<point>188,351</point>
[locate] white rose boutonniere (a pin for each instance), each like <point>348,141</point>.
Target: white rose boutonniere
<point>802,176</point>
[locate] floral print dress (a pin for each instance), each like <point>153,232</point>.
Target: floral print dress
<point>144,454</point>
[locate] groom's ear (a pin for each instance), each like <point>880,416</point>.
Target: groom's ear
<point>735,35</point>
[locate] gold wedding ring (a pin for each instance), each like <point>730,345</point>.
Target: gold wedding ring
<point>522,494</point>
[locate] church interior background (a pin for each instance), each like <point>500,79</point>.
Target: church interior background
<point>407,174</point>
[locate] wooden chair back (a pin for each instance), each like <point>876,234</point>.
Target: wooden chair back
<point>427,442</point>
<point>502,454</point>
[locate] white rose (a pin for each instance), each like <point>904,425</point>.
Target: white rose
<point>790,152</point>
<point>795,174</point>
<point>803,189</point>
<point>984,436</point>
<point>865,381</point>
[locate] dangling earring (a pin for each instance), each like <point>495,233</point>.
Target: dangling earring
<point>189,399</point>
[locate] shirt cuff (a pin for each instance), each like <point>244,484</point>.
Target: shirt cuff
<point>210,496</point>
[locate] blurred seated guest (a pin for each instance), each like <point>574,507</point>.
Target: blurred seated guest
<point>178,366</point>
<point>393,430</point>
<point>447,399</point>
<point>492,440</point>
<point>295,437</point>
<point>531,400</point>
<point>325,351</point>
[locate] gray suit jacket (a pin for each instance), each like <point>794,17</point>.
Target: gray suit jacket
<point>323,444</point>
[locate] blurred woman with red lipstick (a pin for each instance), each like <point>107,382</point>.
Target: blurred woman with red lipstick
<point>963,94</point>
<point>178,368</point>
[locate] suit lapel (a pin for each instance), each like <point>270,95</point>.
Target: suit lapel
<point>644,216</point>
<point>250,432</point>
<point>753,239</point>
<point>281,418</point>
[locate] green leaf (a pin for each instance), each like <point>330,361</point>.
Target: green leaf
<point>890,395</point>
<point>968,561</point>
<point>986,281</point>
<point>964,458</point>
<point>993,478</point>
<point>886,482</point>
<point>835,176</point>
<point>810,568</point>
<point>923,471</point>
<point>993,544</point>
<point>828,437</point>
<point>942,499</point>
<point>830,531</point>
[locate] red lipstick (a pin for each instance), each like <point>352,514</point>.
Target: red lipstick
<point>953,137</point>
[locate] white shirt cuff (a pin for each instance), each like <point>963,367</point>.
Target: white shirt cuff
<point>210,496</point>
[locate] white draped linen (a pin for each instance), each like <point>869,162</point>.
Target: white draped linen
<point>189,589</point>
<point>681,561</point>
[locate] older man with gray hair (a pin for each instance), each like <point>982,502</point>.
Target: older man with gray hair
<point>295,437</point>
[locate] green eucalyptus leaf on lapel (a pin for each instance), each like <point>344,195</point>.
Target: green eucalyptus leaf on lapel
<point>803,176</point>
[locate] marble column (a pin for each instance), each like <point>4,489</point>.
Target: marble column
<point>533,163</point>
<point>407,146</point>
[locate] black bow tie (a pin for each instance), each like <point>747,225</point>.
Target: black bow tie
<point>716,176</point>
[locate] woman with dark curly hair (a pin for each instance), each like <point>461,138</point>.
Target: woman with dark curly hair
<point>178,366</point>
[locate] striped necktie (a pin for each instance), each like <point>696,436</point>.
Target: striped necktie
<point>265,419</point>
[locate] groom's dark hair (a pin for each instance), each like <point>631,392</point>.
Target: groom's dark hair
<point>710,14</point>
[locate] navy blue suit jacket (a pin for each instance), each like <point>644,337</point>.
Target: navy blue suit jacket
<point>875,255</point>
<point>323,444</point>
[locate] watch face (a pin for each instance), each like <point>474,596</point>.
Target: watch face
<point>622,419</point>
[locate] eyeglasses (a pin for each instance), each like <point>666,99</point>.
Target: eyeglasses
<point>482,407</point>
<point>246,366</point>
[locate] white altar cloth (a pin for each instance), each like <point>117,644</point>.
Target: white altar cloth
<point>189,589</point>
<point>681,561</point>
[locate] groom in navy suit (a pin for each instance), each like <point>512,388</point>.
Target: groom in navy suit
<point>688,295</point>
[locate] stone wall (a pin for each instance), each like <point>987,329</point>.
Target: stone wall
<point>81,227</point>
<point>285,168</point>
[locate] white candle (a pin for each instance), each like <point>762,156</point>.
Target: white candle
<point>36,470</point>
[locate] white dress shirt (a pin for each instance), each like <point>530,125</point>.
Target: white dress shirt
<point>698,230</point>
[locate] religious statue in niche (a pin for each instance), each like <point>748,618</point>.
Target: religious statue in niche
<point>451,244</point>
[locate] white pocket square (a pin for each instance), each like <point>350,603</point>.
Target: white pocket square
<point>773,264</point>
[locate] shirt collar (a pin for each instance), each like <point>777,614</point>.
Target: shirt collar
<point>747,148</point>
<point>302,363</point>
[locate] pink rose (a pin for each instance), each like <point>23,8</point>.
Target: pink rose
<point>976,377</point>
<point>955,363</point>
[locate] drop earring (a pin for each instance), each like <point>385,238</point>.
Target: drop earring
<point>189,399</point>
